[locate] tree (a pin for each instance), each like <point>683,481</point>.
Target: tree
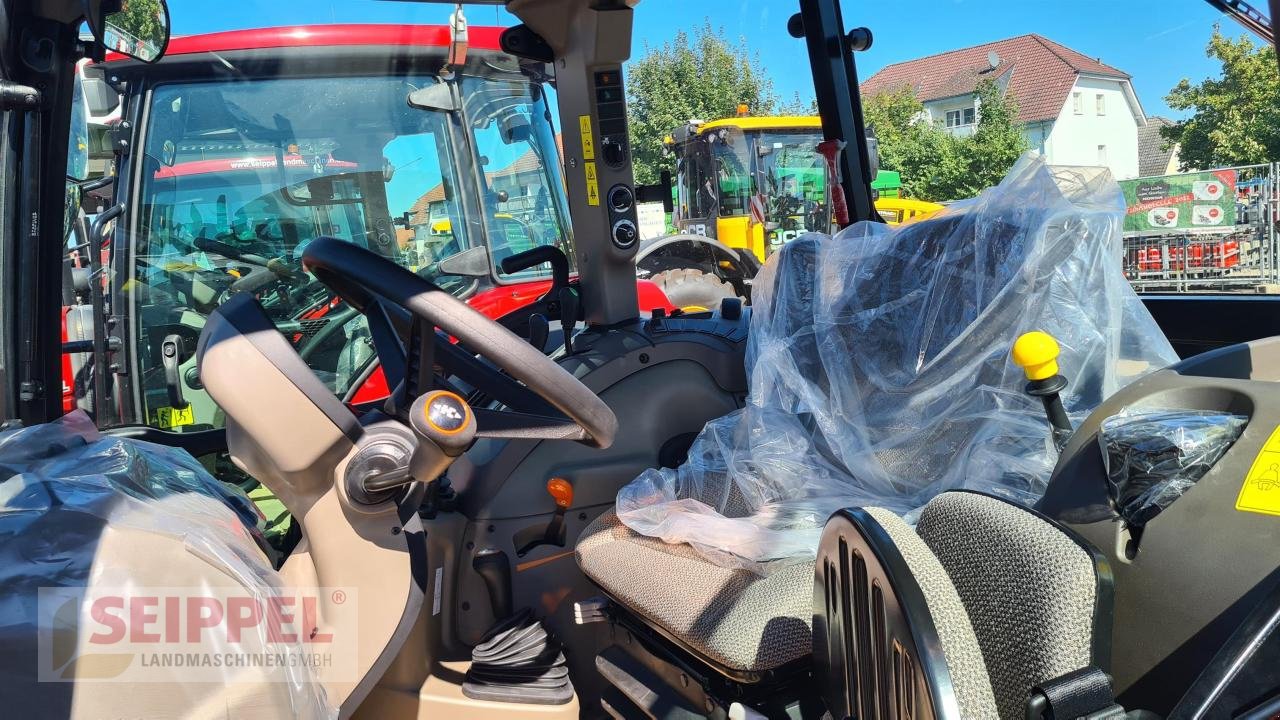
<point>700,77</point>
<point>908,142</point>
<point>1236,118</point>
<point>798,106</point>
<point>995,144</point>
<point>936,165</point>
<point>141,18</point>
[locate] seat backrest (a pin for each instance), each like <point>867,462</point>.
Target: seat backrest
<point>959,618</point>
<point>1035,595</point>
<point>891,637</point>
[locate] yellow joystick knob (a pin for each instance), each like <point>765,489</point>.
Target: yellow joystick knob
<point>1037,354</point>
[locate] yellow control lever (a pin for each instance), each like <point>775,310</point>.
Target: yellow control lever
<point>1037,353</point>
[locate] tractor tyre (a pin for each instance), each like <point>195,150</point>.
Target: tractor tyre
<point>693,290</point>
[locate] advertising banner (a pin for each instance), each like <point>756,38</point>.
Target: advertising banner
<point>1190,201</point>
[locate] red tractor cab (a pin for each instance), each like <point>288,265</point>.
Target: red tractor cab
<point>240,148</point>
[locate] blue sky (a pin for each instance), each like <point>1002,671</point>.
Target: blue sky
<point>1156,42</point>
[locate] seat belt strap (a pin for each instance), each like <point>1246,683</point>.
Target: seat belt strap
<point>1084,694</point>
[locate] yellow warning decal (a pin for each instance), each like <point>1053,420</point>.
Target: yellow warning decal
<point>168,418</point>
<point>1261,490</point>
<point>588,142</point>
<point>593,185</point>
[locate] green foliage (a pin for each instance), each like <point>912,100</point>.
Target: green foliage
<point>934,164</point>
<point>140,18</point>
<point>702,77</point>
<point>995,144</point>
<point>799,106</point>
<point>917,149</point>
<point>1236,118</point>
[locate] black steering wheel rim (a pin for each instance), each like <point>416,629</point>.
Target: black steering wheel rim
<point>361,277</point>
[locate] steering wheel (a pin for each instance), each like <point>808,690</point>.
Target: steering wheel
<point>395,300</point>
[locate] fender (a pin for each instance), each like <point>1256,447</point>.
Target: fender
<point>647,247</point>
<point>650,258</point>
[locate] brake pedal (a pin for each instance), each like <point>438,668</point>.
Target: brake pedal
<point>591,610</point>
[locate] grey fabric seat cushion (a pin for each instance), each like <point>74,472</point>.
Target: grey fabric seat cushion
<point>1029,589</point>
<point>969,678</point>
<point>734,618</point>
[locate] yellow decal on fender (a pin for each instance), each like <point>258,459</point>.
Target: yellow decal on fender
<point>588,142</point>
<point>1261,490</point>
<point>593,185</point>
<point>168,418</point>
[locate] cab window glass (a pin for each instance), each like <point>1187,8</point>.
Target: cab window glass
<point>521,185</point>
<point>239,177</point>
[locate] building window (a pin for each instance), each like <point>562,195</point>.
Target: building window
<point>1102,103</point>
<point>1102,154</point>
<point>1077,103</point>
<point>956,118</point>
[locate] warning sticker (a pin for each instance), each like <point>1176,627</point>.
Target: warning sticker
<point>593,185</point>
<point>588,142</point>
<point>1261,490</point>
<point>168,418</point>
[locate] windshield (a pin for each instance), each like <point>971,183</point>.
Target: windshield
<point>239,176</point>
<point>793,177</point>
<point>771,177</point>
<point>267,166</point>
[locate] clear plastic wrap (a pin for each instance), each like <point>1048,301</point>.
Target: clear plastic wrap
<point>880,375</point>
<point>1154,456</point>
<point>71,500</point>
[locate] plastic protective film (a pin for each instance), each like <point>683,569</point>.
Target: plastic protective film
<point>880,373</point>
<point>1153,457</point>
<point>80,511</point>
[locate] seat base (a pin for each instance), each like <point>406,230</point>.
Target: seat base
<point>744,626</point>
<point>649,676</point>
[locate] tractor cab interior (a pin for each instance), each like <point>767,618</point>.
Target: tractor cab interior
<point>882,490</point>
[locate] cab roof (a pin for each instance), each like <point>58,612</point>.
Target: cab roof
<point>775,122</point>
<point>479,37</point>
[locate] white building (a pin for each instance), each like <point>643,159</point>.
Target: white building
<point>1076,109</point>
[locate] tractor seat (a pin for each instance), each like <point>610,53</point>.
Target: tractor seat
<point>742,624</point>
<point>996,600</point>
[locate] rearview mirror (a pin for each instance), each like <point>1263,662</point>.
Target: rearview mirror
<point>473,262</point>
<point>137,28</point>
<point>514,128</point>
<point>436,98</point>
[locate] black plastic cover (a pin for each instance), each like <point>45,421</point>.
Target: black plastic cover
<point>1152,457</point>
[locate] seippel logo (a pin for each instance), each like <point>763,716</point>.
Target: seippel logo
<point>195,634</point>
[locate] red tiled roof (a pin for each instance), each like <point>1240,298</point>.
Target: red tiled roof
<point>422,207</point>
<point>1039,71</point>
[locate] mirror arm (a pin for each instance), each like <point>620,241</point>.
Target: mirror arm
<point>658,192</point>
<point>19,97</point>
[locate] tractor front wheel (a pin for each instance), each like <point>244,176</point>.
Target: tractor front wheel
<point>693,290</point>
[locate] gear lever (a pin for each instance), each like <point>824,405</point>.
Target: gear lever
<point>492,567</point>
<point>561,492</point>
<point>1037,353</point>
